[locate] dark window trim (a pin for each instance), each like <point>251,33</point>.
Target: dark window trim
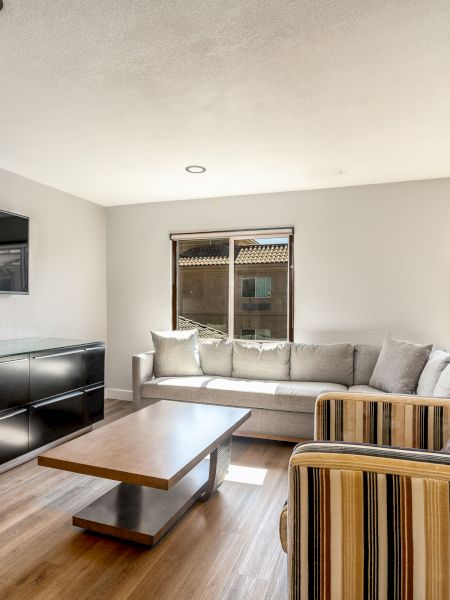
<point>174,286</point>
<point>291,288</point>
<point>290,330</point>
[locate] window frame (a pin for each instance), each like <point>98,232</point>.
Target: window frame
<point>266,339</point>
<point>233,236</point>
<point>254,279</point>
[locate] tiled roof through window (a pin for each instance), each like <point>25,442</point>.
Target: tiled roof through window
<point>204,331</point>
<point>247,255</point>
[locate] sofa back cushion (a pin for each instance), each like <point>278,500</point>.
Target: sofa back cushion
<point>364,361</point>
<point>442,389</point>
<point>216,357</point>
<point>322,362</point>
<point>399,366</point>
<point>261,360</point>
<point>429,377</point>
<point>176,353</point>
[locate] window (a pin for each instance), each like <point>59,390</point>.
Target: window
<point>234,284</point>
<point>256,334</point>
<point>256,287</point>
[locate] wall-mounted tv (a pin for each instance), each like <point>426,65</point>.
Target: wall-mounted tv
<point>13,254</point>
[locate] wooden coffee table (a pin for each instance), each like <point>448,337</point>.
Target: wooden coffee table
<point>158,454</point>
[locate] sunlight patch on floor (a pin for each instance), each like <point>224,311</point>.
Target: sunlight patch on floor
<point>251,475</point>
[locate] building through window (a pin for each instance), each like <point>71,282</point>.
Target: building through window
<point>256,287</point>
<point>234,284</point>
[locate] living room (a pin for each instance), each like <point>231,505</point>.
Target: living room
<point>225,300</point>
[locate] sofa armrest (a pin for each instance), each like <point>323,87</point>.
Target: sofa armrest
<point>363,519</point>
<point>142,371</point>
<point>384,419</point>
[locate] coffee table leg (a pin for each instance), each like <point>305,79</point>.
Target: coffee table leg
<point>219,463</point>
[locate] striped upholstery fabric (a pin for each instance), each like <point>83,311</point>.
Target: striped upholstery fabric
<point>368,523</point>
<point>283,527</point>
<point>389,420</point>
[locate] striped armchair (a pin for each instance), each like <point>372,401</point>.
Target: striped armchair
<point>368,509</point>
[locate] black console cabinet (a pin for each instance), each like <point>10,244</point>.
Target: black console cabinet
<point>14,381</point>
<point>13,433</point>
<point>49,388</point>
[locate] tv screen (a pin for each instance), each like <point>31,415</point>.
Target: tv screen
<point>13,254</point>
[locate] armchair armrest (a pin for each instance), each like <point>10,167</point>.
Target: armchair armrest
<point>142,371</point>
<point>367,522</point>
<point>384,419</point>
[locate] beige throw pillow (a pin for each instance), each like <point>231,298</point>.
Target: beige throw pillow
<point>176,353</point>
<point>429,377</point>
<point>442,389</point>
<point>216,357</point>
<point>261,360</point>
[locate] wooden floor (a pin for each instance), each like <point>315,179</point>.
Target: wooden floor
<point>223,549</point>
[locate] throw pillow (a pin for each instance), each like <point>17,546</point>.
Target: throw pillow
<point>432,371</point>
<point>442,389</point>
<point>331,363</point>
<point>261,360</point>
<point>399,366</point>
<point>216,357</point>
<point>365,359</point>
<point>176,353</point>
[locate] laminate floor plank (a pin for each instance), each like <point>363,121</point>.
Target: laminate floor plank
<point>224,549</point>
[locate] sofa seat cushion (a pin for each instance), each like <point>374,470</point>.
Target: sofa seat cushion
<point>364,389</point>
<point>272,395</point>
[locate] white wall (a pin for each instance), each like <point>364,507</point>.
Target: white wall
<point>368,260</point>
<point>67,264</point>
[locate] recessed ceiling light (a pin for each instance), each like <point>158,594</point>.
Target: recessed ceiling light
<point>195,169</point>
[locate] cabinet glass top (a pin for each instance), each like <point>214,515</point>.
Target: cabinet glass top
<point>25,346</point>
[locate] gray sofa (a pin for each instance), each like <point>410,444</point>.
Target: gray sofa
<point>280,382</point>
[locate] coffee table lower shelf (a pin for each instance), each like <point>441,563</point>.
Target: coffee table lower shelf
<point>143,514</point>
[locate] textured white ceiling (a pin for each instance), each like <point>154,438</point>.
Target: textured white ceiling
<point>110,100</point>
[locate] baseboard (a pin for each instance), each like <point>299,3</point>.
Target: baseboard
<point>113,394</point>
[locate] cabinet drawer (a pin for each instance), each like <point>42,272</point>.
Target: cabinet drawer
<point>94,400</point>
<point>56,418</point>
<point>94,365</point>
<point>56,373</point>
<point>13,434</point>
<point>14,382</point>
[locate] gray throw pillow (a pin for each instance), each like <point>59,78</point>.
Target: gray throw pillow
<point>442,389</point>
<point>399,366</point>
<point>261,360</point>
<point>216,357</point>
<point>364,361</point>
<point>176,353</point>
<point>330,363</point>
<point>437,362</point>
